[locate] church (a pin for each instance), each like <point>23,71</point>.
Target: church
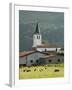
<point>39,46</point>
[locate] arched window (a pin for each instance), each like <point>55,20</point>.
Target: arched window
<point>50,60</point>
<point>45,50</point>
<point>39,37</point>
<point>58,60</point>
<point>37,61</point>
<point>31,61</point>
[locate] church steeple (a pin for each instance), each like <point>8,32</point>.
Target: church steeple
<point>37,38</point>
<point>37,29</point>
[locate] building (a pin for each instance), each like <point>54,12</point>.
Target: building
<point>37,37</point>
<point>39,46</point>
<point>48,47</point>
<point>52,59</point>
<point>30,58</point>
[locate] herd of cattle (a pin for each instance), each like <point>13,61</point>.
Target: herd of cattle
<point>38,69</point>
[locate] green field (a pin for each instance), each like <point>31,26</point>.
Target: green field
<point>46,71</point>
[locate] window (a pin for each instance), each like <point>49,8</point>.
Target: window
<point>50,61</point>
<point>58,60</point>
<point>38,37</point>
<point>31,61</point>
<point>56,49</point>
<point>45,50</point>
<point>37,61</point>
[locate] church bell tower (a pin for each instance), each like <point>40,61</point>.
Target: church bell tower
<point>37,38</point>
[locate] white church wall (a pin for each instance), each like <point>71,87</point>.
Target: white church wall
<point>36,40</point>
<point>58,49</point>
<point>48,49</point>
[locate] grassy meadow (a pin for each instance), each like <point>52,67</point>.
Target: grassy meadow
<point>46,71</point>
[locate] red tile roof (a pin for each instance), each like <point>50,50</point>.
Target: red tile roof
<point>48,46</point>
<point>25,53</point>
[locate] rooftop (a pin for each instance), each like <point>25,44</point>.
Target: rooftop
<point>37,30</point>
<point>47,56</point>
<point>48,46</point>
<point>25,53</point>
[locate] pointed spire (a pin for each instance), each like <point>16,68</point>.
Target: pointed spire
<point>37,29</point>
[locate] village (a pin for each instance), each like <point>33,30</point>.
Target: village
<point>40,58</point>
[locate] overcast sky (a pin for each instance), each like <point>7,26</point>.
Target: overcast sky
<point>53,20</point>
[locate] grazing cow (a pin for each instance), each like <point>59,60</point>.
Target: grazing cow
<point>45,68</point>
<point>35,69</point>
<point>41,70</point>
<point>24,70</point>
<point>55,65</point>
<point>28,70</point>
<point>56,70</point>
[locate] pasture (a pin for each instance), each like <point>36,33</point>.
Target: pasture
<point>45,71</point>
